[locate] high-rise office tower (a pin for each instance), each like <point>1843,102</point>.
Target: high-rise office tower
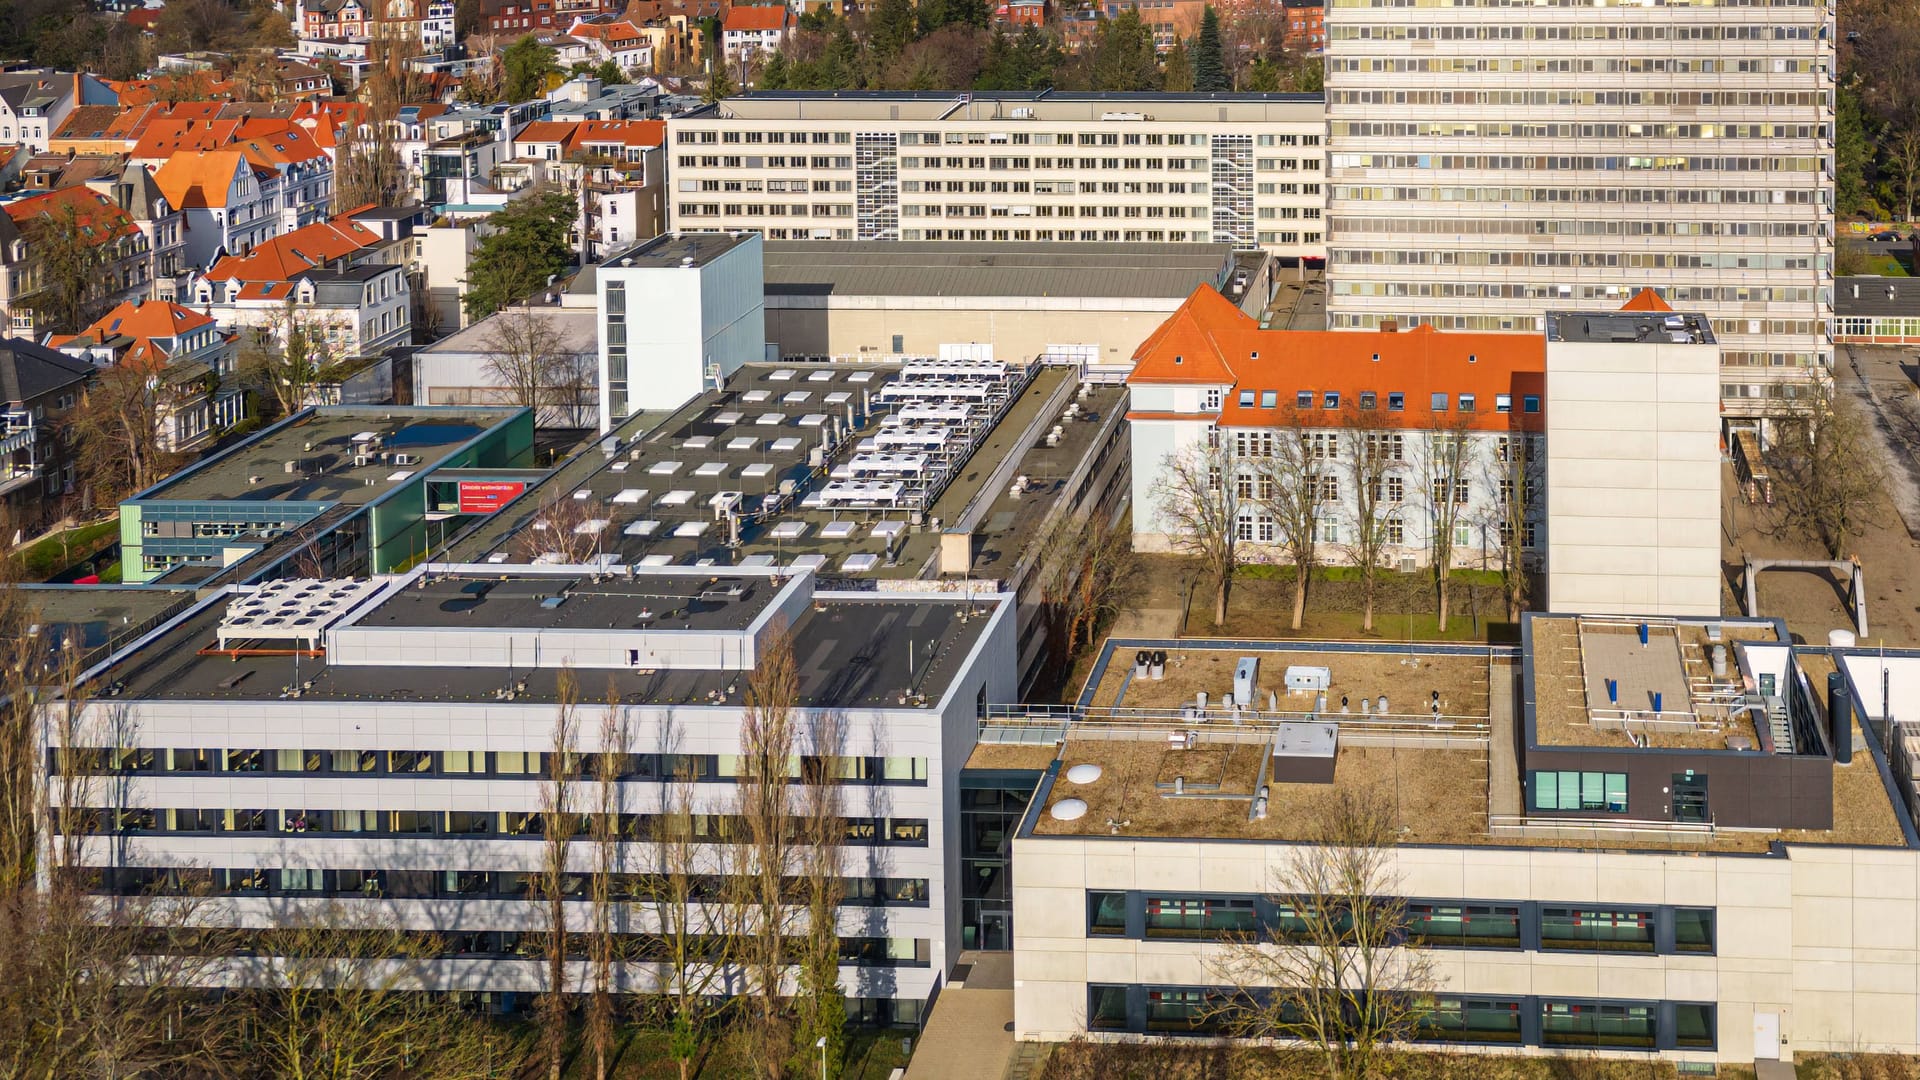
<point>1490,159</point>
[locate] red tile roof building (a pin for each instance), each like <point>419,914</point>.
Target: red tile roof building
<point>1210,382</point>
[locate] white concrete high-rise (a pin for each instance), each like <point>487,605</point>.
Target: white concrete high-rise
<point>1488,160</point>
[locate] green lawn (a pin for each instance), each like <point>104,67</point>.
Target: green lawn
<point>61,550</point>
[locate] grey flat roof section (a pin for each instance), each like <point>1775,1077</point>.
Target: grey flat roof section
<point>1629,327</point>
<point>938,268</point>
<point>1876,296</point>
<point>1032,107</point>
<point>673,249</point>
<point>526,602</point>
<point>327,472</point>
<point>851,652</point>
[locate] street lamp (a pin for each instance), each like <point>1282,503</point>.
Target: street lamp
<point>820,1044</point>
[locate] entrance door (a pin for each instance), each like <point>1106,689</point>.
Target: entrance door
<point>995,929</point>
<point>1690,798</point>
<point>1766,1036</point>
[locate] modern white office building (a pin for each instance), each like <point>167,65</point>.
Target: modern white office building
<point>1240,169</point>
<point>1489,161</point>
<point>1633,462</point>
<point>1731,884</point>
<point>678,314</point>
<point>382,743</point>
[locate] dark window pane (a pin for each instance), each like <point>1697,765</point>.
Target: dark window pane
<point>1107,1008</point>
<point>1494,926</point>
<point>1198,916</point>
<point>1597,929</point>
<point>1693,1026</point>
<point>1107,914</point>
<point>1693,930</point>
<point>1474,1020</point>
<point>1594,1024</point>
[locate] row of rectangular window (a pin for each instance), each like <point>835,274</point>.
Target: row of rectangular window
<point>472,824</point>
<point>807,768</point>
<point>1396,401</point>
<point>1455,924</point>
<point>1555,1022</point>
<point>447,884</point>
<point>514,945</point>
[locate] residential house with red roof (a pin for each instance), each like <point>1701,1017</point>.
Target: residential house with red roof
<point>615,40</point>
<point>348,277</point>
<point>230,203</point>
<point>188,359</point>
<point>103,129</point>
<point>304,168</point>
<point>754,30</point>
<point>616,168</point>
<point>1435,426</point>
<point>126,270</point>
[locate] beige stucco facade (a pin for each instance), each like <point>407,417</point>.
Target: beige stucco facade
<point>1826,939</point>
<point>1100,330</point>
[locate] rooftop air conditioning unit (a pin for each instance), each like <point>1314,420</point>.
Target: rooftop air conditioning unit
<point>406,459</point>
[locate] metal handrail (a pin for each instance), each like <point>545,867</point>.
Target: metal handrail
<point>1125,715</point>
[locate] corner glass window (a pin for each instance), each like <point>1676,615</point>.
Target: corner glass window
<point>1106,1007</point>
<point>1693,930</point>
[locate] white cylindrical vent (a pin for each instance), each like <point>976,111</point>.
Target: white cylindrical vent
<point>1840,639</point>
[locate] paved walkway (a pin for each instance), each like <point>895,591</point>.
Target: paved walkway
<point>1503,721</point>
<point>969,1035</point>
<point>1875,378</point>
<point>1772,1070</point>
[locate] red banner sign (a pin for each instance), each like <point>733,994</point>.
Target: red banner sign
<point>486,496</point>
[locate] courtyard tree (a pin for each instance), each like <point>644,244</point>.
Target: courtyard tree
<point>1199,509</point>
<point>535,363</point>
<point>1374,460</point>
<point>1516,473</point>
<point>1295,481</point>
<point>693,939</point>
<point>1828,480</point>
<point>1341,970</point>
<point>120,432</point>
<point>819,1005</point>
<point>289,352</point>
<point>609,765</point>
<point>1446,455</point>
<point>528,245</point>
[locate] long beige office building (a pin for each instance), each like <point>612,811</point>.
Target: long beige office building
<point>1686,840</point>
<point>1488,161</point>
<point>1240,169</point>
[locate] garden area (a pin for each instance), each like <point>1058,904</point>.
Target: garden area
<point>57,551</point>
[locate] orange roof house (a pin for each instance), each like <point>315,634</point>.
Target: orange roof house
<point>163,138</point>
<point>97,216</point>
<point>1271,378</point>
<point>143,334</point>
<point>284,257</point>
<point>1646,300</point>
<point>200,180</point>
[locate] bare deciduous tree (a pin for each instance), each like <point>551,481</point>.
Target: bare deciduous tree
<point>534,364</point>
<point>610,764</point>
<point>559,821</point>
<point>1375,452</point>
<point>1087,566</point>
<point>1828,480</point>
<point>1446,455</point>
<point>121,430</point>
<point>288,354</point>
<point>1515,472</point>
<point>693,942</point>
<point>1199,508</point>
<point>1296,482</point>
<point>764,854</point>
<point>1337,970</point>
<point>347,998</point>
<point>563,530</point>
<point>819,1003</point>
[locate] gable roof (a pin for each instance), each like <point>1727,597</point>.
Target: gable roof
<point>755,18</point>
<point>573,135</point>
<point>288,146</point>
<point>89,122</point>
<point>200,180</point>
<point>99,219</point>
<point>29,371</point>
<point>148,331</point>
<point>170,135</point>
<point>287,256</point>
<point>1209,341</point>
